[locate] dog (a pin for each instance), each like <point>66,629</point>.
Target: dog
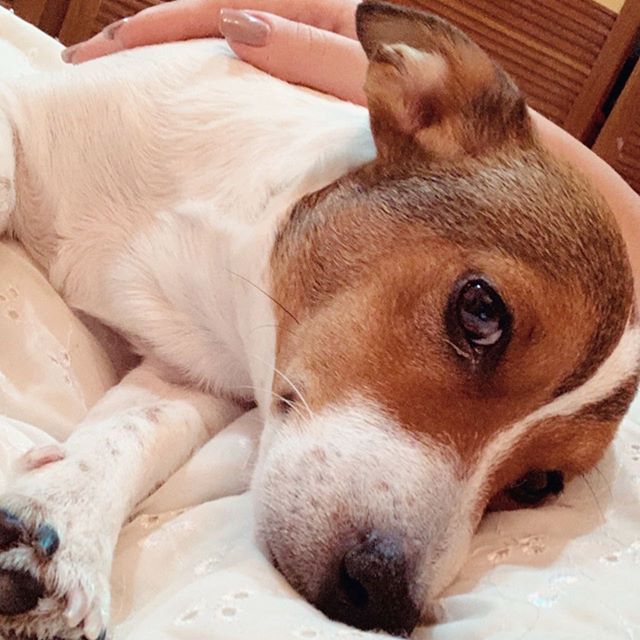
<point>433,316</point>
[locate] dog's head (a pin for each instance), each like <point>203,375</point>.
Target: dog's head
<point>459,328</point>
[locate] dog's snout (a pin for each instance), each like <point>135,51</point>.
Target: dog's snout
<point>369,587</point>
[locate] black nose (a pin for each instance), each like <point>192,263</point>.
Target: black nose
<point>369,587</point>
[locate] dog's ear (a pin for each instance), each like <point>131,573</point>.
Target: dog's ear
<point>430,89</point>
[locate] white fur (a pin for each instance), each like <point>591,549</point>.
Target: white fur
<point>180,139</point>
<point>130,442</point>
<point>7,172</point>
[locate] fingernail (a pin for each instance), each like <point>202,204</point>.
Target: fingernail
<point>110,31</point>
<point>67,54</point>
<point>243,27</point>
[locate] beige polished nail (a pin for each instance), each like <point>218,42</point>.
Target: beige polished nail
<point>244,28</point>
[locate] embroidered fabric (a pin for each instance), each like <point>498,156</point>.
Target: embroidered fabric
<point>187,566</point>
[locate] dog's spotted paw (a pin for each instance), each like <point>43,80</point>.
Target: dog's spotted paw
<point>53,578</point>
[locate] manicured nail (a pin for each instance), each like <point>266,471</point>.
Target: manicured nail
<point>110,31</point>
<point>243,27</point>
<point>67,54</point>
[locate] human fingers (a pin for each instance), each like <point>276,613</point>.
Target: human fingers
<point>187,19</point>
<point>297,52</point>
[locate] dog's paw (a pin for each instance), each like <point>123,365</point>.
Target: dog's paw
<point>53,577</point>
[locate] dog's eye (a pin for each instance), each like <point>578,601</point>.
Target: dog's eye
<point>535,486</point>
<point>481,314</point>
<point>285,403</point>
<point>478,322</point>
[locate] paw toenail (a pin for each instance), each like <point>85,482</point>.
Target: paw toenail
<point>19,592</point>
<point>11,528</point>
<point>47,540</point>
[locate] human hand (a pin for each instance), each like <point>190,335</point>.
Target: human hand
<point>301,41</point>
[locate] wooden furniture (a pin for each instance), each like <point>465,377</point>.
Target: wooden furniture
<point>619,140</point>
<point>570,57</point>
<point>87,17</point>
<point>48,15</point>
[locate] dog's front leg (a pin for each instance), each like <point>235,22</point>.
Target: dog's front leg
<point>59,523</point>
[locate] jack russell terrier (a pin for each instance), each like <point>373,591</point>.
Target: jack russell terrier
<point>433,320</point>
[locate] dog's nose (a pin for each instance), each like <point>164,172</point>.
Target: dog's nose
<point>370,586</point>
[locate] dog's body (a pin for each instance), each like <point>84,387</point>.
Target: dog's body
<point>152,189</point>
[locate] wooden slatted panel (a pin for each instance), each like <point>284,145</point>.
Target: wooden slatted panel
<point>619,140</point>
<point>47,15</point>
<point>548,47</point>
<point>590,109</point>
<point>85,18</point>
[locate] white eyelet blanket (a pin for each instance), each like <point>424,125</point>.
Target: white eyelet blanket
<point>187,567</point>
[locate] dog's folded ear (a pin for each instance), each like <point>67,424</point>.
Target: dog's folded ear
<point>431,89</point>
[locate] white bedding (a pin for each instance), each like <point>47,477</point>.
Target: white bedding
<point>187,566</point>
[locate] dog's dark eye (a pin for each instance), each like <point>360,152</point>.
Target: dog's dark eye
<point>285,403</point>
<point>478,321</point>
<point>481,313</point>
<point>535,486</point>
